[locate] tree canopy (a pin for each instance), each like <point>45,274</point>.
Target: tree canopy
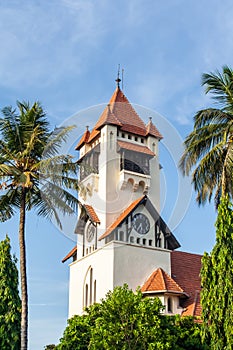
<point>208,150</point>
<point>127,320</point>
<point>217,283</point>
<point>33,175</point>
<point>10,304</point>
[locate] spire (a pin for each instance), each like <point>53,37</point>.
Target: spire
<point>118,80</point>
<point>152,130</point>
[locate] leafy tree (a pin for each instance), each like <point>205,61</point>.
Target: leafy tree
<point>126,320</point>
<point>50,347</point>
<point>184,333</point>
<point>10,304</point>
<point>209,147</point>
<point>217,283</point>
<point>33,176</point>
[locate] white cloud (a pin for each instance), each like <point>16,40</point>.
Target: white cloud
<point>43,42</point>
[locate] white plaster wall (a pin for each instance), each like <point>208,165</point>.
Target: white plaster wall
<point>101,262</point>
<point>113,265</point>
<point>154,190</point>
<point>133,264</point>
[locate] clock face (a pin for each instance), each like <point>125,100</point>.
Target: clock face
<point>141,223</point>
<point>90,232</point>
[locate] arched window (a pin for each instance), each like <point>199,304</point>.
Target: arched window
<point>91,282</point>
<point>94,300</point>
<point>153,147</point>
<point>169,305</point>
<point>86,295</point>
<point>89,288</point>
<point>111,140</point>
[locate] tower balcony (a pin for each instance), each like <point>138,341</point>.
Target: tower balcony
<point>89,184</point>
<point>135,181</point>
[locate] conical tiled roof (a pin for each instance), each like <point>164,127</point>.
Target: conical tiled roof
<point>152,130</point>
<point>107,117</point>
<point>160,281</point>
<point>84,139</point>
<point>121,113</point>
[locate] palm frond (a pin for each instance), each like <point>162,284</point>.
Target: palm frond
<point>54,142</point>
<point>211,116</point>
<point>198,143</point>
<point>8,201</point>
<point>220,85</point>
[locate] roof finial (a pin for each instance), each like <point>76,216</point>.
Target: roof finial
<point>122,77</point>
<point>118,80</point>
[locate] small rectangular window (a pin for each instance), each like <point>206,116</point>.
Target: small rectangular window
<point>131,239</point>
<point>121,236</point>
<point>144,241</point>
<point>138,240</point>
<point>136,138</point>
<point>142,140</point>
<point>123,135</point>
<point>150,242</point>
<point>129,137</point>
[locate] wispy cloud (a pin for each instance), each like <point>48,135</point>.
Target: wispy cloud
<point>36,46</point>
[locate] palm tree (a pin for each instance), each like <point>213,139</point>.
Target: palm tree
<point>33,176</point>
<point>209,147</point>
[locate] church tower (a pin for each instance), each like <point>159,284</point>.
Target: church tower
<point>121,237</point>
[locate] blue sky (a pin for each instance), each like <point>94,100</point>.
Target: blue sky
<point>65,53</point>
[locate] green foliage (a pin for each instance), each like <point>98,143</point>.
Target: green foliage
<point>217,283</point>
<point>30,160</point>
<point>33,175</point>
<point>209,147</point>
<point>184,333</point>
<point>50,347</point>
<point>125,320</point>
<point>10,304</point>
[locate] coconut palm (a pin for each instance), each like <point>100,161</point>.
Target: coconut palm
<point>33,175</point>
<point>208,150</point>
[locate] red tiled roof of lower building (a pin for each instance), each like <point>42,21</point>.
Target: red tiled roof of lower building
<point>160,281</point>
<point>185,270</point>
<point>70,254</point>
<point>152,130</point>
<point>134,147</point>
<point>91,213</point>
<point>120,218</point>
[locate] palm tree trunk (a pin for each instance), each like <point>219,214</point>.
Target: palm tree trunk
<point>23,273</point>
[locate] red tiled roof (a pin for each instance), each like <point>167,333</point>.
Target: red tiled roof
<point>134,147</point>
<point>160,281</point>
<point>70,254</point>
<point>120,218</point>
<point>120,112</point>
<point>107,117</point>
<point>91,213</point>
<point>84,139</point>
<point>152,130</point>
<point>185,270</point>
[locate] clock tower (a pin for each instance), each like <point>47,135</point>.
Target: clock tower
<point>121,237</point>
